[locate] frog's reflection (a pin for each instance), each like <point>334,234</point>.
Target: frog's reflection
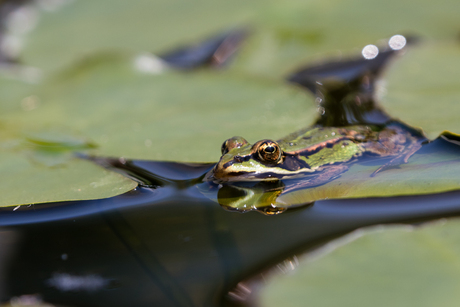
<point>261,196</point>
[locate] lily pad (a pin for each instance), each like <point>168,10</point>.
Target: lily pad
<point>129,26</point>
<point>14,94</point>
<point>401,266</point>
<point>423,87</point>
<point>171,116</point>
<point>26,181</point>
<point>290,33</point>
<point>285,34</point>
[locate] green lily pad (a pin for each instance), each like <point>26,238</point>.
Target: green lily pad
<point>285,33</point>
<point>401,266</point>
<point>14,94</point>
<point>423,88</point>
<point>293,33</point>
<point>27,181</point>
<point>171,116</point>
<point>128,26</point>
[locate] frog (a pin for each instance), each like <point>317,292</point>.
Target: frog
<point>317,154</point>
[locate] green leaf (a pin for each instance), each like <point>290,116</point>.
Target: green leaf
<point>142,25</point>
<point>27,181</point>
<point>292,33</point>
<point>285,33</point>
<point>171,116</point>
<point>401,266</point>
<point>423,87</point>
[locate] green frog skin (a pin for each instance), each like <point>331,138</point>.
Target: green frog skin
<point>324,152</point>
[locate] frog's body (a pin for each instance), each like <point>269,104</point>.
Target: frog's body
<point>319,152</point>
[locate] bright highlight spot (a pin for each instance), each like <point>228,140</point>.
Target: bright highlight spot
<point>397,42</point>
<point>148,63</point>
<point>22,20</point>
<point>370,52</point>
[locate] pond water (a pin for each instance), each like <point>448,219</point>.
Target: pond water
<point>172,246</point>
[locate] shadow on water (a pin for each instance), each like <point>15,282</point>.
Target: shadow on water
<point>167,243</point>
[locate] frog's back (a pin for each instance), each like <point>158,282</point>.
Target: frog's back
<point>320,136</point>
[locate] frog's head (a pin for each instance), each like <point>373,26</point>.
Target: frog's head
<point>265,160</point>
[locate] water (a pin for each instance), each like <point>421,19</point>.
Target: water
<point>170,243</point>
<point>175,247</point>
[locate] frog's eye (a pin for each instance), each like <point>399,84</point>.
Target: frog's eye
<point>269,151</point>
<point>234,142</point>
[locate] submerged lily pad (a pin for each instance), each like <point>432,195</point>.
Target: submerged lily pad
<point>401,266</point>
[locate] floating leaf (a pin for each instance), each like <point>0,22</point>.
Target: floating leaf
<point>296,32</point>
<point>27,182</point>
<point>401,266</point>
<point>171,116</point>
<point>423,88</point>
<point>285,33</point>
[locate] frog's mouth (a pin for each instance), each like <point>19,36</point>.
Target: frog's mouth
<point>250,168</point>
<point>219,175</point>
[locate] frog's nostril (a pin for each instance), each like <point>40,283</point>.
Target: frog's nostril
<point>238,159</point>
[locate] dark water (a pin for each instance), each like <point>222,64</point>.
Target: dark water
<point>172,246</point>
<point>168,244</point>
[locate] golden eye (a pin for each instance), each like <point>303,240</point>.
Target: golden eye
<point>269,151</point>
<point>234,142</point>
